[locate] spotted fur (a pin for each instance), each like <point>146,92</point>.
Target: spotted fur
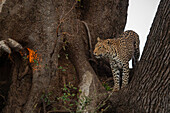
<point>119,52</point>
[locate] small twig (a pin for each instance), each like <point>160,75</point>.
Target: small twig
<point>58,111</point>
<point>3,82</point>
<point>69,11</point>
<point>60,22</point>
<point>105,109</point>
<point>67,109</point>
<point>103,102</point>
<point>39,111</point>
<point>44,107</point>
<point>109,79</point>
<point>66,33</point>
<point>3,97</point>
<point>25,71</point>
<point>9,56</point>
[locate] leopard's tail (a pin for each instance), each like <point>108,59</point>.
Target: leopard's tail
<point>136,50</point>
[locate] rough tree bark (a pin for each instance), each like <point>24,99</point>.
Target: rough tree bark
<point>148,90</point>
<point>34,25</point>
<point>44,25</point>
<point>100,23</point>
<point>152,74</point>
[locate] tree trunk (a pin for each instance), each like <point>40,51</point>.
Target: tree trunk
<point>97,15</point>
<point>152,74</point>
<point>148,90</point>
<point>41,26</point>
<point>33,24</point>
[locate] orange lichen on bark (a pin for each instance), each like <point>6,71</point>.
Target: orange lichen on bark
<point>33,58</point>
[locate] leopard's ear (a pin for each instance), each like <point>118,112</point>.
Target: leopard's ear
<point>98,39</point>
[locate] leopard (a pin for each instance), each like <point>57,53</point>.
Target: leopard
<point>119,51</point>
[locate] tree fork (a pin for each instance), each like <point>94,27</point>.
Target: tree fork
<point>148,90</point>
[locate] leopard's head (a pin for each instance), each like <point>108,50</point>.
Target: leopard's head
<point>102,48</point>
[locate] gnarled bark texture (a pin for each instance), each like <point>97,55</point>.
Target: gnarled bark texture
<point>33,24</point>
<point>43,26</point>
<point>47,26</point>
<point>148,90</point>
<point>152,74</point>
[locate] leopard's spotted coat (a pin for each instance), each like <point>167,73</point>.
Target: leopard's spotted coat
<point>119,51</point>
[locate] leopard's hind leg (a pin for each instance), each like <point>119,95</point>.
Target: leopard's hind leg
<point>125,74</point>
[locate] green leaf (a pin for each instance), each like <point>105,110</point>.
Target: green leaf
<point>25,57</point>
<point>74,77</point>
<point>48,103</point>
<point>66,56</point>
<point>63,69</point>
<point>35,61</point>
<point>76,103</point>
<point>74,88</point>
<point>45,99</point>
<point>68,99</point>
<point>50,93</point>
<point>54,108</point>
<point>71,104</point>
<point>42,96</point>
<point>64,85</point>
<point>64,98</point>
<point>58,98</point>
<point>80,90</point>
<point>60,67</point>
<point>81,100</point>
<point>64,48</point>
<point>68,94</point>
